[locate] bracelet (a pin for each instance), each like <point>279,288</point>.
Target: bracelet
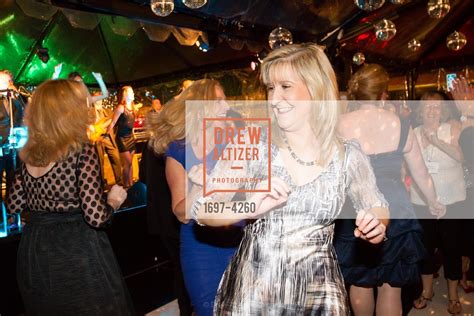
<point>195,208</point>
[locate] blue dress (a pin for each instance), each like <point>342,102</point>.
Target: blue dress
<point>396,261</point>
<point>205,251</point>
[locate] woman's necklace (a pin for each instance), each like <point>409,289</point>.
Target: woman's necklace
<point>294,156</point>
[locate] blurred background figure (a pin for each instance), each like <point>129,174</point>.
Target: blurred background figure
<point>205,251</point>
<point>11,115</point>
<point>388,141</point>
<point>439,141</point>
<point>104,139</point>
<point>124,119</point>
<point>160,218</point>
<point>463,93</point>
<point>156,105</point>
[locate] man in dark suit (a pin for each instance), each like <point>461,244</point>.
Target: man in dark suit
<point>105,143</point>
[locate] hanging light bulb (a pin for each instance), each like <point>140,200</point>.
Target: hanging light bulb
<point>385,30</point>
<point>358,59</point>
<point>162,7</point>
<point>369,5</point>
<point>414,45</point>
<point>438,9</point>
<point>280,37</point>
<point>194,4</point>
<point>456,41</point>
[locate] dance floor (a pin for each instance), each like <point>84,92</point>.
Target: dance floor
<point>440,301</point>
<point>437,307</point>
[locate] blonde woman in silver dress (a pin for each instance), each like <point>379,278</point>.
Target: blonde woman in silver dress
<point>286,263</point>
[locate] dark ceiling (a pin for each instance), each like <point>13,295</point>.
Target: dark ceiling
<point>226,24</point>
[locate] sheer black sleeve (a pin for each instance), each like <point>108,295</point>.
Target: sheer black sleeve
<point>16,199</point>
<point>93,200</point>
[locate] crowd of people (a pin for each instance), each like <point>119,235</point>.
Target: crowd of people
<point>292,255</point>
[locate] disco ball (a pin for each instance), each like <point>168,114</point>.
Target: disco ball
<point>280,37</point>
<point>162,7</point>
<point>369,5</point>
<point>358,59</point>
<point>456,41</point>
<point>414,45</point>
<point>194,4</point>
<point>438,8</point>
<point>385,30</point>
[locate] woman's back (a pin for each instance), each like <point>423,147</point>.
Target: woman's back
<point>377,130</point>
<point>71,185</point>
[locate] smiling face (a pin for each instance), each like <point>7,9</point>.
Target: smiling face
<point>220,107</point>
<point>431,111</point>
<point>287,94</point>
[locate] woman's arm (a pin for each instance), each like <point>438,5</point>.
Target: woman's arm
<point>117,112</point>
<point>419,173</point>
<point>178,183</point>
<point>417,167</point>
<point>217,213</point>
<point>16,198</point>
<point>103,89</point>
<point>372,209</point>
<point>57,71</point>
<point>95,207</point>
<point>452,149</point>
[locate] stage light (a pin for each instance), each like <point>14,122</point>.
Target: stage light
<point>43,54</point>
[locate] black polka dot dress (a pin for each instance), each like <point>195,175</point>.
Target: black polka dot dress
<point>66,265</point>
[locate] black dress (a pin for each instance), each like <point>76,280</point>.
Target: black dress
<point>66,265</point>
<point>396,261</point>
<point>125,138</point>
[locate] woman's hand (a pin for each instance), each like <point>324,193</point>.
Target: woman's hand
<point>116,196</point>
<point>266,201</point>
<point>369,227</point>
<point>437,209</point>
<point>462,90</point>
<point>196,174</point>
<point>431,137</point>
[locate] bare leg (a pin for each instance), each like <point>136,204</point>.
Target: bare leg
<point>427,294</point>
<point>465,269</point>
<point>453,289</point>
<point>362,300</point>
<point>126,158</point>
<point>389,300</point>
<point>454,307</point>
<point>130,176</point>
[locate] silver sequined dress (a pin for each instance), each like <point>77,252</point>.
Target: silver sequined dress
<point>286,263</point>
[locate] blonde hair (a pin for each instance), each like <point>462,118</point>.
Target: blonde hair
<point>57,119</point>
<point>312,66</point>
<point>121,94</point>
<point>369,83</point>
<point>170,124</point>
